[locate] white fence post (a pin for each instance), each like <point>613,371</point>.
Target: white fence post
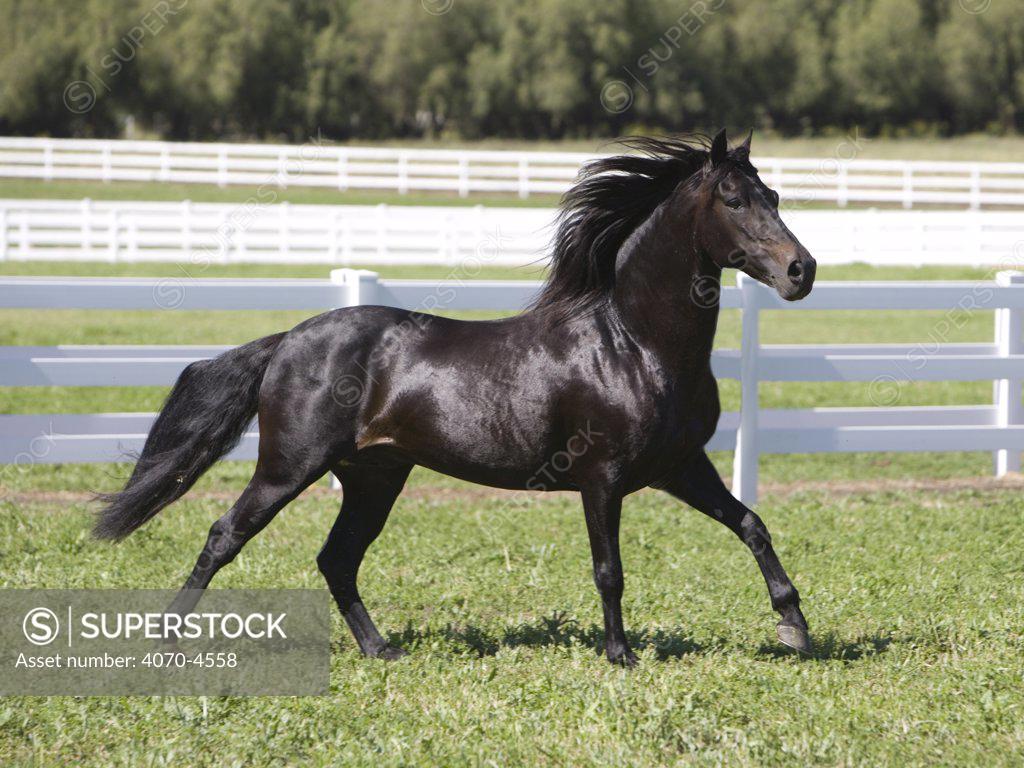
<point>3,232</point>
<point>335,243</point>
<point>908,186</point>
<point>346,240</point>
<point>165,163</point>
<point>463,177</point>
<point>284,229</point>
<point>222,167</point>
<point>23,231</point>
<point>87,214</point>
<point>359,286</point>
<point>105,155</point>
<point>524,178</point>
<point>1009,341</point>
<point>133,237</point>
<point>48,161</point>
<point>342,170</point>
<point>447,252</point>
<point>186,228</point>
<point>282,168</point>
<point>114,234</point>
<point>745,460</point>
<point>382,230</point>
<point>403,173</point>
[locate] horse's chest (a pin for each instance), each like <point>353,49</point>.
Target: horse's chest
<point>686,417</point>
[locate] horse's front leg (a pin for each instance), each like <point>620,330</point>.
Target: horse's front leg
<point>700,486</point>
<point>603,509</point>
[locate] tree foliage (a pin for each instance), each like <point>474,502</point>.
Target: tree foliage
<point>291,69</point>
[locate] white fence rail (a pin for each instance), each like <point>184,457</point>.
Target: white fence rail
<point>899,182</point>
<point>201,233</point>
<point>999,428</point>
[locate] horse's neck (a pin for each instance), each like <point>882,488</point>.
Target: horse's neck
<point>666,292</point>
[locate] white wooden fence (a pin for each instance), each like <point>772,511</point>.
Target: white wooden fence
<point>899,182</point>
<point>202,233</point>
<point>999,428</point>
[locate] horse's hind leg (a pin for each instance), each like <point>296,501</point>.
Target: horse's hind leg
<point>369,494</point>
<point>269,490</point>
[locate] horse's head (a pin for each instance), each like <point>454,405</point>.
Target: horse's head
<point>739,224</point>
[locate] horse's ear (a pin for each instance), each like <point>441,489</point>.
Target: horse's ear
<point>719,148</point>
<point>744,148</point>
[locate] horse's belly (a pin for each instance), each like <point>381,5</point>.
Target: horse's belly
<point>504,453</point>
<point>537,478</point>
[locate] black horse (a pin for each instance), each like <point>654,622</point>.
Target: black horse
<point>604,386</point>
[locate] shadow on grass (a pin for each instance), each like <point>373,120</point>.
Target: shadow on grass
<point>557,630</point>
<point>832,648</point>
<point>553,630</point>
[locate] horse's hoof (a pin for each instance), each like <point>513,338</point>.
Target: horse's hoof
<point>390,653</point>
<point>794,637</point>
<point>626,659</point>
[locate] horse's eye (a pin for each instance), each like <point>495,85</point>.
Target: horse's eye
<point>734,202</point>
<point>773,197</point>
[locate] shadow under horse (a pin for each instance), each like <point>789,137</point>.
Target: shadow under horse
<point>611,367</point>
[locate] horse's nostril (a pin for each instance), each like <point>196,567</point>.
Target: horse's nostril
<point>796,271</point>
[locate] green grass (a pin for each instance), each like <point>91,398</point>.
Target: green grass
<point>33,189</point>
<point>914,599</point>
<point>913,594</point>
<point>979,147</point>
<point>321,271</point>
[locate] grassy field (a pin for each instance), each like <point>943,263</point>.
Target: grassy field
<point>982,147</point>
<point>910,567</point>
<point>33,189</point>
<point>914,597</point>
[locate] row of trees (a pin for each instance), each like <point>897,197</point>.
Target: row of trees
<point>201,69</point>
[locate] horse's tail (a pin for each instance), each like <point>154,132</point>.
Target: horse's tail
<point>204,417</point>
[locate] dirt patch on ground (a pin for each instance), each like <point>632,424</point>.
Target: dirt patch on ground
<point>857,487</point>
<point>478,493</point>
<point>434,493</point>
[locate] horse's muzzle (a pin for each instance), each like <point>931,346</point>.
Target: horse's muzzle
<point>799,277</point>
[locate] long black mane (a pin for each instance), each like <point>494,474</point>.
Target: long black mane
<point>611,198</point>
